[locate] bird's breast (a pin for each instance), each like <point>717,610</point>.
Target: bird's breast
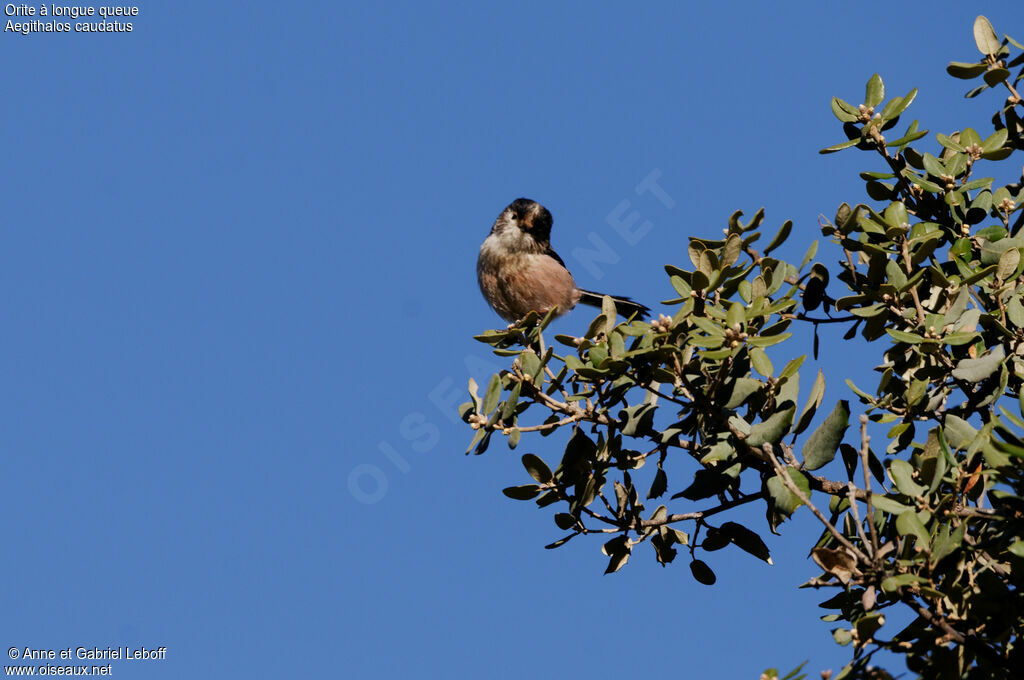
<point>517,283</point>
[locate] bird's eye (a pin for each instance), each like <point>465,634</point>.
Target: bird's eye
<point>513,216</point>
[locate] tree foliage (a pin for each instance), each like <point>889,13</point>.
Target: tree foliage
<point>932,275</point>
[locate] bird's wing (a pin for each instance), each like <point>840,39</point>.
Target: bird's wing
<point>553,255</point>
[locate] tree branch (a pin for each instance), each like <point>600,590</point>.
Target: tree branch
<point>783,475</point>
<point>865,451</point>
<point>672,519</point>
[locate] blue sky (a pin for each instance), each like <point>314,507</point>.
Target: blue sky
<point>238,251</point>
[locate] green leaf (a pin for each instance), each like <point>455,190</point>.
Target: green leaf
<point>743,388</point>
<point>888,505</point>
<point>732,249</point>
<point>903,336</point>
<point>466,409</point>
<point>902,474</point>
<point>956,164</point>
<point>736,315</point>
<point>1015,311</point>
<point>761,362</point>
<point>821,446</point>
<point>859,392</point>
<point>784,500</point>
<point>771,430</point>
<point>874,91</point>
<point>1008,262</point>
<point>995,140</point>
<point>843,637</point>
<point>985,36</point>
<point>965,71</point>
<point>813,402</point>
<point>976,370</point>
<point>909,524</point>
<point>868,625</point>
<point>621,497</point>
<point>681,537</point>
<point>746,540</point>
<point>922,182</point>
<point>984,197</point>
<point>564,521</point>
<point>529,362</point>
<point>702,572</point>
<point>681,286</point>
<point>912,134</point>
<point>525,492</point>
<point>896,215</point>
<point>881,191</point>
<point>473,394</point>
<point>780,237</point>
<point>894,583</point>
<point>795,673</point>
<point>959,433</point>
<point>979,275</point>
<point>843,111</point>
<point>715,540</point>
<point>492,394</point>
<point>509,407</point>
<point>898,105</point>
<point>560,542</point>
<point>949,143</point>
<point>768,340</point>
<point>947,541</point>
<point>708,263</point>
<point>480,441</point>
<point>933,165</point>
<point>996,76</point>
<point>638,419</point>
<point>976,91</point>
<point>706,483</point>
<point>548,498</point>
<point>997,154</point>
<point>537,468</point>
<point>970,137</point>
<point>610,314</point>
<point>812,250</point>
<point>659,484</point>
<point>840,147</point>
<point>618,549</point>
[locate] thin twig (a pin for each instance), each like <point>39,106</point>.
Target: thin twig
<point>865,439</point>
<point>561,388</point>
<point>800,316</point>
<point>953,633</point>
<point>783,474</point>
<point>913,289</point>
<point>658,393</point>
<point>672,519</point>
<point>851,489</point>
<point>992,60</point>
<point>541,427</point>
<point>602,518</point>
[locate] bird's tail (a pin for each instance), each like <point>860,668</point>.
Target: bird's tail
<point>624,305</point>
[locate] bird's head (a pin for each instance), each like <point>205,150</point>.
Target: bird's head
<point>524,220</point>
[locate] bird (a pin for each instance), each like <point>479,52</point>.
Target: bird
<point>518,271</point>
